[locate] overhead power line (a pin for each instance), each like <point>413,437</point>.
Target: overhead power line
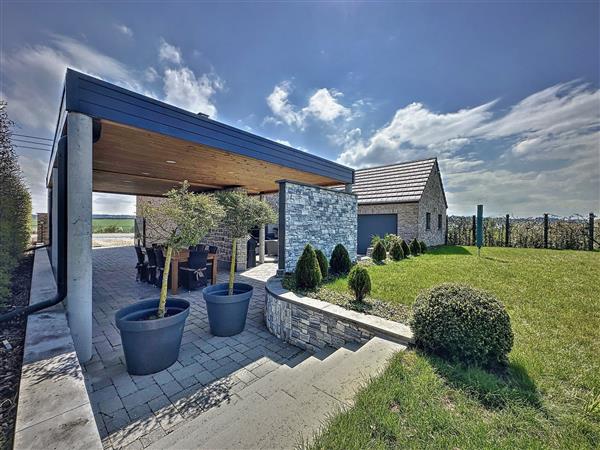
<point>31,142</point>
<point>33,148</point>
<point>32,137</point>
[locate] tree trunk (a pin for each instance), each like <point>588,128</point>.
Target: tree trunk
<point>165,284</point>
<point>232,268</point>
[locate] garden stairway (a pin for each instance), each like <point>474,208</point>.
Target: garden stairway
<point>287,407</point>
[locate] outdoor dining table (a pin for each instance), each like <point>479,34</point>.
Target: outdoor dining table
<point>183,256</point>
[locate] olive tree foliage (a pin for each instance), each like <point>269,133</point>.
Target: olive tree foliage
<point>242,214</point>
<point>15,206</point>
<point>182,220</point>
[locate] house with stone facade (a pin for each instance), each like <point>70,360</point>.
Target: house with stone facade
<point>406,199</point>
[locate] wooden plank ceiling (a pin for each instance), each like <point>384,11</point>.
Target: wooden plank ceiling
<point>129,160</point>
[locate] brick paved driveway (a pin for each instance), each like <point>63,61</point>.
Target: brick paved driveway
<point>134,411</point>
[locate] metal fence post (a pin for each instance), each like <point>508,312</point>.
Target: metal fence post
<point>591,233</point>
<point>507,234</point>
<point>546,230</point>
<point>473,231</point>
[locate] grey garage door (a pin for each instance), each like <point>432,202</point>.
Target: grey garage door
<point>370,224</point>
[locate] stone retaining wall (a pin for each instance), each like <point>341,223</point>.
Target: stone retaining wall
<point>313,324</point>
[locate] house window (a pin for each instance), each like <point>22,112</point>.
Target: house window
<point>439,221</point>
<point>428,221</point>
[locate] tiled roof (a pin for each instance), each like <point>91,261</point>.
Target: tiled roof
<point>396,183</point>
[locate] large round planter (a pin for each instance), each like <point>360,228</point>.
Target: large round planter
<point>227,313</point>
<point>151,345</point>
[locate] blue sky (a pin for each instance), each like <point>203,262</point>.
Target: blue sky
<point>506,95</point>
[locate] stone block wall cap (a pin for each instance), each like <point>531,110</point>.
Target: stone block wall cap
<point>380,326</point>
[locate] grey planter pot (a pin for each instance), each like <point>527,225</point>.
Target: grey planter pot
<point>227,313</point>
<point>151,345</point>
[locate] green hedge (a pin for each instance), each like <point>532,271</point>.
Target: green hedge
<point>15,207</point>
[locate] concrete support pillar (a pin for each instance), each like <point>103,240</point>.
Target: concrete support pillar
<point>79,232</point>
<point>261,241</point>
<point>54,218</point>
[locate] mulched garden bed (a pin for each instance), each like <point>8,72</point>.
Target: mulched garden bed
<point>396,312</point>
<point>12,339</point>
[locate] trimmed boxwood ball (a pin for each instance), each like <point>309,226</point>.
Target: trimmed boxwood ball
<point>308,273</point>
<point>379,254</point>
<point>323,263</point>
<point>359,282</point>
<point>405,248</point>
<point>396,251</point>
<point>423,246</point>
<point>340,263</point>
<point>464,324</point>
<point>415,248</point>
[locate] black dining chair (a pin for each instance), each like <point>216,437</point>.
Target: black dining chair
<point>141,266</point>
<point>200,247</point>
<point>213,249</point>
<point>193,275</point>
<point>151,265</point>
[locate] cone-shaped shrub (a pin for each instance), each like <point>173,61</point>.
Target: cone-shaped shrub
<point>323,263</point>
<point>462,323</point>
<point>423,246</point>
<point>379,254</point>
<point>396,252</point>
<point>340,260</point>
<point>415,248</point>
<point>405,248</point>
<point>308,273</point>
<point>359,282</point>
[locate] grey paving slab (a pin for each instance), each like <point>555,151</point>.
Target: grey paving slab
<point>135,411</point>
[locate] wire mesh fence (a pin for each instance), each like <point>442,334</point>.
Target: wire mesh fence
<point>548,231</point>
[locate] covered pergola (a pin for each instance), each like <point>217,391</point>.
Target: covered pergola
<point>109,139</point>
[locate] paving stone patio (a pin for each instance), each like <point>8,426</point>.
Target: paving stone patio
<point>135,411</point>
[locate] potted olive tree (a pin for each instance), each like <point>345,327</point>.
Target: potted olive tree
<point>227,303</point>
<point>151,330</point>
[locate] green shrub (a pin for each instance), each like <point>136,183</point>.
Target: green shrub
<point>423,246</point>
<point>405,248</point>
<point>340,263</point>
<point>379,254</point>
<point>308,273</point>
<point>415,248</point>
<point>375,239</point>
<point>359,282</point>
<point>396,251</point>
<point>323,263</point>
<point>463,324</point>
<point>388,240</point>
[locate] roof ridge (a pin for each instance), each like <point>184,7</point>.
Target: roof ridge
<point>397,164</point>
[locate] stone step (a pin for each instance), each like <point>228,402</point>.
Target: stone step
<point>289,405</point>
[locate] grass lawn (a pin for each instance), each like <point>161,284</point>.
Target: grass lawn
<point>113,225</point>
<point>550,396</point>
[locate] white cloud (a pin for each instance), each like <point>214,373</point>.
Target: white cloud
<point>151,75</point>
<point>32,82</point>
<point>323,105</point>
<point>415,129</point>
<point>33,77</point>
<point>184,89</point>
<point>281,107</point>
<point>550,161</point>
<point>169,53</point>
<point>124,29</point>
